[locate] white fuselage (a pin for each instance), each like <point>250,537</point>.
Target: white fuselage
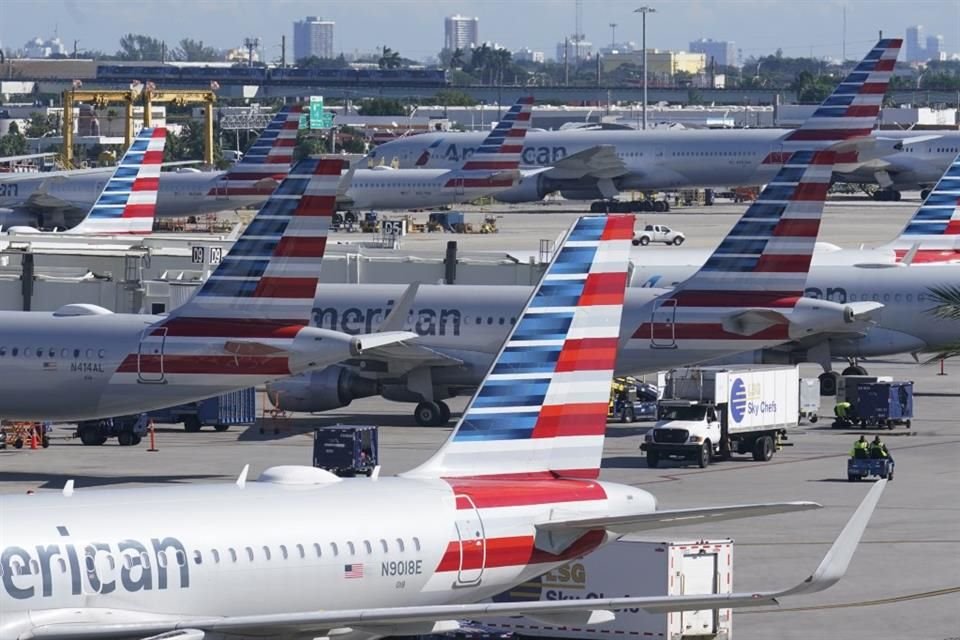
<point>308,541</point>
<point>99,366</point>
<point>687,158</point>
<point>385,188</point>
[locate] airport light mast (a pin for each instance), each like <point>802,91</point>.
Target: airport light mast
<point>643,11</point>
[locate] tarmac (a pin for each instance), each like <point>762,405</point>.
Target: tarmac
<point>905,578</point>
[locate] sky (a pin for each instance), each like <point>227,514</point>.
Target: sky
<point>415,27</point>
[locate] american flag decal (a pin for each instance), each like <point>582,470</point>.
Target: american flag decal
<point>353,571</point>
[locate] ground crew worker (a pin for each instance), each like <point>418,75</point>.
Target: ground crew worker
<point>860,448</point>
<point>878,449</point>
<point>842,410</point>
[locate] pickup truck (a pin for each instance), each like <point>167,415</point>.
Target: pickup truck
<point>658,233</point>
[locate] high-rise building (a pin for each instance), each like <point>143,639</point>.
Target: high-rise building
<point>915,51</point>
<point>313,36</point>
<point>575,48</point>
<point>722,52</point>
<point>461,32</point>
<point>935,48</point>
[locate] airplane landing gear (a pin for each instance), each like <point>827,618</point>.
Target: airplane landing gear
<point>855,370</point>
<point>886,195</point>
<point>432,414</point>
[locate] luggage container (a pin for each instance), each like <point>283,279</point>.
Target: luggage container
<point>810,399</point>
<point>884,404</point>
<point>346,451</point>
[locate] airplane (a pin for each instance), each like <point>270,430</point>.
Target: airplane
<point>247,324</point>
<point>668,159</point>
<point>747,296</point>
<point>513,493</point>
<point>60,199</point>
<point>127,203</point>
<point>493,168</point>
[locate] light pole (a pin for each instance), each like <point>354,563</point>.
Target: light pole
<point>643,11</point>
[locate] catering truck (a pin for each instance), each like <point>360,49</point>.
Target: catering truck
<point>631,567</point>
<point>709,413</point>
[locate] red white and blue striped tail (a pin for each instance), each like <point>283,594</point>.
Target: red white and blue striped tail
<point>269,277</point>
<point>267,161</point>
<point>852,109</point>
<point>541,411</point>
<point>128,201</point>
<point>764,259</point>
<point>935,227</point>
<point>499,154</point>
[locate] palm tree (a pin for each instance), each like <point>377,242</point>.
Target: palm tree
<point>390,59</point>
<point>948,308</point>
<point>457,59</point>
<point>501,61</point>
<point>480,61</point>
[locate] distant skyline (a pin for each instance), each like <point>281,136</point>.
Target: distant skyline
<point>415,27</point>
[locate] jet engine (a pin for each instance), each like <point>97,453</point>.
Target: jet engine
<point>329,388</point>
<point>531,188</point>
<point>813,315</point>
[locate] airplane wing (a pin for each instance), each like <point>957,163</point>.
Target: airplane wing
<point>429,618</point>
<point>600,161</point>
<point>26,156</point>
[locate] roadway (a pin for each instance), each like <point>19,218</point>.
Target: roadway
<point>904,582</point>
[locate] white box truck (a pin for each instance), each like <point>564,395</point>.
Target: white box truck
<point>633,567</point>
<point>712,412</point>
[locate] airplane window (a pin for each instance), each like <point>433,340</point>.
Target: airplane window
<point>283,551</point>
<point>197,557</point>
<point>513,321</point>
<point>383,544</point>
<point>876,297</point>
<point>333,547</point>
<point>26,352</point>
<point>352,549</point>
<point>101,353</point>
<point>909,297</point>
<point>215,555</point>
<point>76,353</point>
<point>65,353</point>
<point>400,544</point>
<point>489,319</point>
<point>886,297</point>
<point>233,554</point>
<point>40,352</point>
<point>266,551</point>
<point>161,559</point>
<point>367,546</point>
<point>896,297</point>
<point>479,321</point>
<point>502,319</point>
<point>250,554</point>
<point>90,354</point>
<point>52,353</point>
<point>3,351</point>
<point>416,543</point>
<point>316,549</point>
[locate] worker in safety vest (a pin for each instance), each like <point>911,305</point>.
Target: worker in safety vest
<point>878,449</point>
<point>860,448</point>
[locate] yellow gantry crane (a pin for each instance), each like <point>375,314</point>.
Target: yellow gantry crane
<point>128,97</point>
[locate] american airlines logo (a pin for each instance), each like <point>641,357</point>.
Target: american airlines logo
<point>357,320</point>
<point>94,567</point>
<point>540,156</point>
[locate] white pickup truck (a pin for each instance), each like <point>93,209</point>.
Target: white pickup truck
<point>658,233</point>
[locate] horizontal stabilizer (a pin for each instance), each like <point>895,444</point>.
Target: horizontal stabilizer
<point>622,525</point>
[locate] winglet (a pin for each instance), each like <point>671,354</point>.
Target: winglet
<point>242,478</point>
<point>68,488</point>
<point>397,317</point>
<point>834,564</point>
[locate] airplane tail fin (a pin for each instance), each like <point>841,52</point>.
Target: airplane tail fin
<point>541,411</point>
<point>267,162</point>
<point>852,109</point>
<point>268,280</point>
<point>129,199</point>
<point>497,159</point>
<point>933,233</point>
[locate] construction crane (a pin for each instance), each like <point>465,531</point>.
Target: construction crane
<point>181,97</point>
<point>99,98</point>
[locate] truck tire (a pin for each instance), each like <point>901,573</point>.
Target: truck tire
<point>125,438</point>
<point>90,436</point>
<point>627,415</point>
<point>636,243</point>
<point>18,443</point>
<point>890,477</point>
<point>813,418</point>
<point>763,448</point>
<point>137,440</point>
<point>191,424</point>
<point>678,241</point>
<point>221,427</point>
<point>653,459</point>
<point>703,459</point>
<point>644,240</point>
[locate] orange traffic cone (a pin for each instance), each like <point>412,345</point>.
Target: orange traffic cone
<point>153,439</point>
<point>33,436</point>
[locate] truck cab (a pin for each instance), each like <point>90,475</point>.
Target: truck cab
<point>684,429</point>
<point>658,233</point>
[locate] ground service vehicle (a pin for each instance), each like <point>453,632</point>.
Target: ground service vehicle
<point>346,451</point>
<point>658,233</point>
<point>860,468</point>
<point>221,412</point>
<point>128,430</point>
<point>635,401</point>
<point>634,567</point>
<point>810,399</point>
<point>711,412</point>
